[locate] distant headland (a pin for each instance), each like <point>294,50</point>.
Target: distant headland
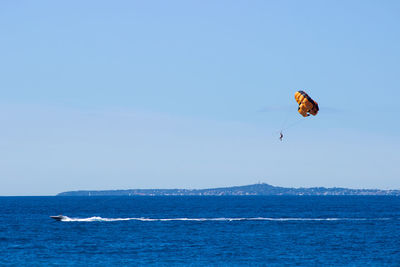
<point>260,189</point>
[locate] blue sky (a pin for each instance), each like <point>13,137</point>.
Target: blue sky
<point>192,94</point>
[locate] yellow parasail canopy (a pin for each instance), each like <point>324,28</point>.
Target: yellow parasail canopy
<point>307,105</point>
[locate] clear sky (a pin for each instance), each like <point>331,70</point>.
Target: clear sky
<point>193,94</point>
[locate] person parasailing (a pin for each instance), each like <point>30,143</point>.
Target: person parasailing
<point>307,107</point>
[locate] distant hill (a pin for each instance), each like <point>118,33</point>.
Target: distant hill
<point>254,190</point>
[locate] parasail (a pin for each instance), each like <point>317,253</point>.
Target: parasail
<point>307,105</point>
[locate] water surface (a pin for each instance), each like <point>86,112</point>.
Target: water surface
<point>237,230</point>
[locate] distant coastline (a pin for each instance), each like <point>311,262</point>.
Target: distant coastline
<point>261,189</point>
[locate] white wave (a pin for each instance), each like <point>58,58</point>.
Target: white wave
<point>94,219</point>
<point>100,219</point>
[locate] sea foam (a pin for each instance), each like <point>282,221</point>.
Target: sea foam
<point>101,219</point>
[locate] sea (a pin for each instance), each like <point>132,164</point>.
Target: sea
<point>200,231</point>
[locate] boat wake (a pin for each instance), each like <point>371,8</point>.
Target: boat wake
<point>101,219</point>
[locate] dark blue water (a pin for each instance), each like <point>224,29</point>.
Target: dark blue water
<point>201,231</point>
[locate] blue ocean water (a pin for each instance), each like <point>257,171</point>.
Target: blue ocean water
<point>228,230</point>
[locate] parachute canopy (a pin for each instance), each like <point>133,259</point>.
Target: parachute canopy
<point>307,105</point>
